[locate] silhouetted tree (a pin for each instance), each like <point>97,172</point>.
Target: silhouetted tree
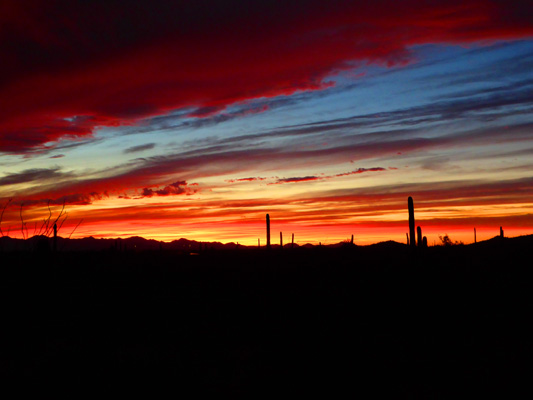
<point>55,238</point>
<point>2,215</point>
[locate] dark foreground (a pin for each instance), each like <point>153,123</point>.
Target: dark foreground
<point>441,323</point>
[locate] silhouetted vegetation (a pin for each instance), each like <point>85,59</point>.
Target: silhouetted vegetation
<point>238,320</point>
<point>446,241</point>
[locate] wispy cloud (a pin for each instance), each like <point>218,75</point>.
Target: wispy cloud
<point>250,179</point>
<point>296,179</point>
<point>139,148</point>
<point>35,175</point>
<point>322,177</point>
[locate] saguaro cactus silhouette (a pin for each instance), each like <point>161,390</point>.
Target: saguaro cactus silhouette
<point>501,232</point>
<point>410,205</point>
<point>419,236</point>
<point>281,239</point>
<point>292,244</point>
<point>475,238</point>
<point>351,240</point>
<point>425,242</point>
<point>268,231</point>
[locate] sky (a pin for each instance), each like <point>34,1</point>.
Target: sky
<point>193,119</point>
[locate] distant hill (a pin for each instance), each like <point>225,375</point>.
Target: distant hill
<point>136,243</point>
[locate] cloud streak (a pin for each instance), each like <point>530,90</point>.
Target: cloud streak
<point>323,177</point>
<point>35,175</point>
<point>140,148</point>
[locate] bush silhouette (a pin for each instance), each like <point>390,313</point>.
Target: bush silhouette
<point>446,241</point>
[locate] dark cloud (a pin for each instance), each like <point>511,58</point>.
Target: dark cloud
<point>33,175</point>
<point>142,147</point>
<point>298,179</point>
<point>321,177</point>
<point>176,188</point>
<point>70,199</point>
<point>362,171</point>
<point>70,67</point>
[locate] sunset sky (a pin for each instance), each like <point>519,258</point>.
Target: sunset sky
<point>170,119</point>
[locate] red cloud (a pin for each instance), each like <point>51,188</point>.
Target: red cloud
<point>251,179</point>
<point>175,188</point>
<point>70,67</point>
<point>361,171</point>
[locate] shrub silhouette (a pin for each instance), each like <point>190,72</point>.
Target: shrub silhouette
<point>446,241</point>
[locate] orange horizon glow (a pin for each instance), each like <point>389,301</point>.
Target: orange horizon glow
<point>309,225</point>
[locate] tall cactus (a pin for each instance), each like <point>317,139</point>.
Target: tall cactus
<point>351,240</point>
<point>281,240</point>
<point>501,232</point>
<point>292,245</point>
<point>410,205</point>
<point>268,231</point>
<point>425,242</point>
<point>419,236</point>
<point>475,238</point>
